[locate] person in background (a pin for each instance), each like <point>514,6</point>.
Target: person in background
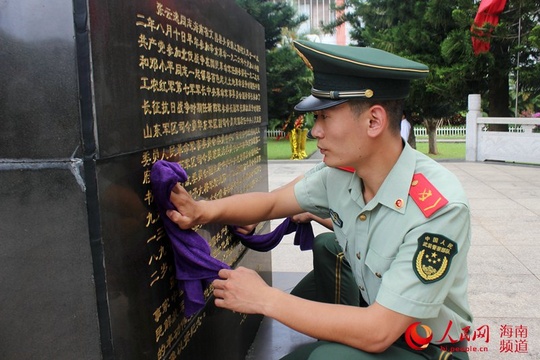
<point>400,219</point>
<point>405,127</point>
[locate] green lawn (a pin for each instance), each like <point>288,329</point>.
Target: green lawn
<point>281,149</point>
<point>447,150</point>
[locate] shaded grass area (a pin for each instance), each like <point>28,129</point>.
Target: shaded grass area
<point>281,149</point>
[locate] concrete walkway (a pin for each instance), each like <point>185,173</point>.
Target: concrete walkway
<point>504,261</point>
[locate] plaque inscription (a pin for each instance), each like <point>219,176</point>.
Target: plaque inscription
<point>198,96</point>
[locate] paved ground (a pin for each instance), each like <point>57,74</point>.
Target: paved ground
<point>504,261</point>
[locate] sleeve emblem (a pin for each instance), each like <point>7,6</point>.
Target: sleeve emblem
<point>336,219</point>
<point>433,257</point>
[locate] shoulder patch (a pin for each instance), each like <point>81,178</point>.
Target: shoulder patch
<point>425,195</point>
<point>433,257</point>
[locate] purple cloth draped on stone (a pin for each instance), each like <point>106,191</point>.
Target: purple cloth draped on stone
<point>266,242</point>
<point>195,267</point>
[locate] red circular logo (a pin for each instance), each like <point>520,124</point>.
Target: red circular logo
<point>418,336</point>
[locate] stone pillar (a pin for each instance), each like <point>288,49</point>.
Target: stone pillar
<point>474,112</point>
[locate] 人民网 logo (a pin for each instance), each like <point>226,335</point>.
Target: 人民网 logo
<point>418,336</point>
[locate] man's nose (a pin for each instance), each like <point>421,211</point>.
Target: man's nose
<point>316,131</point>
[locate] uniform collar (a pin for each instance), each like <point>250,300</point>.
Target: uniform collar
<point>394,191</point>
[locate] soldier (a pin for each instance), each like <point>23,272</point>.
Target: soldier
<point>400,219</point>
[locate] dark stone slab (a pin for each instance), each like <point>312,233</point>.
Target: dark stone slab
<point>39,96</point>
<point>47,295</point>
<point>93,94</point>
<point>143,303</point>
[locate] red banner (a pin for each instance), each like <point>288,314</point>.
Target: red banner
<point>484,22</point>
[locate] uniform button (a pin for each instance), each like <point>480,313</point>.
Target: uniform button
<point>358,256</point>
<point>363,217</point>
<point>399,203</point>
<point>378,275</point>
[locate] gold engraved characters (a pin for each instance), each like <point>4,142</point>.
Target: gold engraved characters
<point>189,73</point>
<point>192,81</point>
<point>217,166</point>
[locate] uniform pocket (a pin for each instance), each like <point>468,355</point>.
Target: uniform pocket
<point>376,266</point>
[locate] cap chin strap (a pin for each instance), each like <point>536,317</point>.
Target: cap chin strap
<point>337,95</point>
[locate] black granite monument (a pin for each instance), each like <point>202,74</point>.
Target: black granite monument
<point>92,94</point>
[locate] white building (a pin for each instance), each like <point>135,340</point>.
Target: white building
<point>319,11</point>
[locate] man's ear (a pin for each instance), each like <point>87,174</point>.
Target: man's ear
<point>378,120</point>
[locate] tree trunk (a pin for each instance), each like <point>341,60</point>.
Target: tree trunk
<point>499,96</point>
<point>412,138</point>
<point>431,127</point>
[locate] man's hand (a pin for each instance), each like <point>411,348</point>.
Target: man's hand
<point>245,229</point>
<point>188,212</point>
<point>304,217</point>
<point>307,217</point>
<point>241,290</point>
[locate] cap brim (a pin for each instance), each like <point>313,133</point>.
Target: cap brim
<point>312,103</point>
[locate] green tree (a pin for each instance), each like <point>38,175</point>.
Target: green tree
<point>518,35</point>
<point>512,61</point>
<point>288,79</point>
<point>273,17</point>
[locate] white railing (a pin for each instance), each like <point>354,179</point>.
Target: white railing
<point>419,131</point>
<point>457,131</point>
<point>520,145</point>
<point>275,133</point>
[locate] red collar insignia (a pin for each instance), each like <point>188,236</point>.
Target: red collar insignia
<point>346,168</point>
<point>425,195</point>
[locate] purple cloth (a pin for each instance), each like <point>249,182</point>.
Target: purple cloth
<point>195,267</point>
<point>266,242</point>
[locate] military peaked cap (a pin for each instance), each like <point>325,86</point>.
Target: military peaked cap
<point>346,72</point>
